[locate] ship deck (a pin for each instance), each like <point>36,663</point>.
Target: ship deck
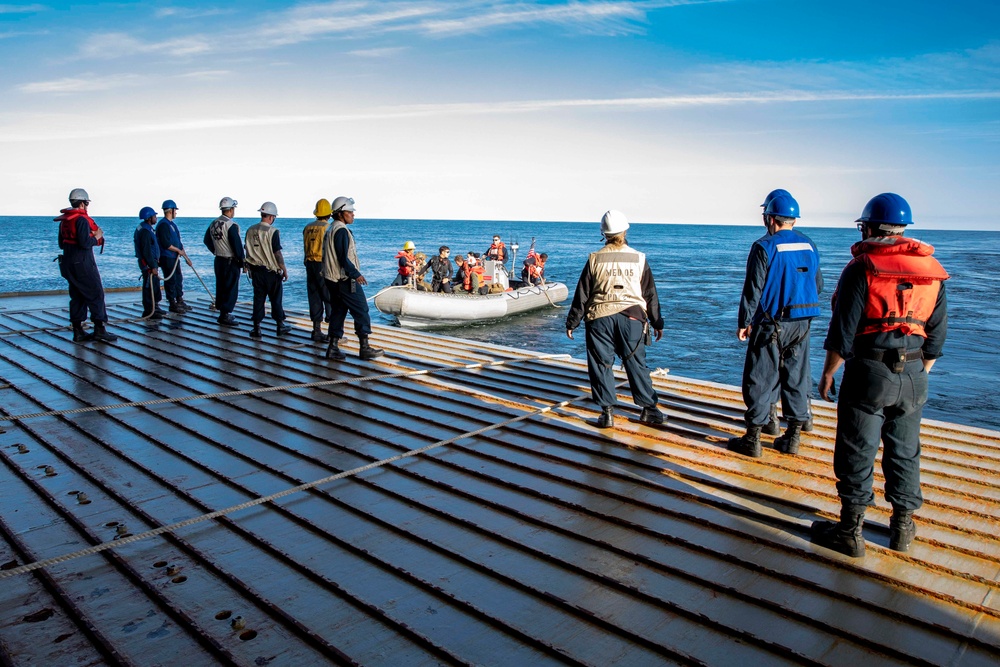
<point>190,496</point>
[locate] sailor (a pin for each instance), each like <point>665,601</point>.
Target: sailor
<point>169,238</point>
<point>890,319</point>
<point>780,299</point>
<point>498,251</point>
<point>312,242</point>
<point>147,253</point>
<point>345,282</point>
<point>406,264</point>
<point>78,234</point>
<point>462,279</point>
<point>440,267</point>
<point>533,272</point>
<point>616,297</point>
<point>266,267</point>
<point>473,275</point>
<point>222,238</point>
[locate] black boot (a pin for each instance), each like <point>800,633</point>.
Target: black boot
<point>808,425</point>
<point>607,418</point>
<point>101,333</point>
<point>183,305</point>
<point>333,350</point>
<point>79,335</point>
<point>773,427</point>
<point>902,530</point>
<point>255,333</point>
<point>318,335</point>
<point>283,328</point>
<point>228,320</point>
<point>175,307</point>
<point>844,537</point>
<point>651,416</point>
<point>747,444</point>
<point>788,442</point>
<point>367,351</point>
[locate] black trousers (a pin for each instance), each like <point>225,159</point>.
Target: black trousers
<point>267,285</point>
<point>86,291</point>
<point>150,293</point>
<point>320,308</point>
<point>227,284</point>
<point>345,301</point>
<point>619,335</point>
<point>175,286</point>
<point>769,372</point>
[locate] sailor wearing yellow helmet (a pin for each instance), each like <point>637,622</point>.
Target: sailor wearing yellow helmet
<point>407,264</point>
<point>312,242</point>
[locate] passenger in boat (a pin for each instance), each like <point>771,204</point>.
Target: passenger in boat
<point>616,297</point>
<point>419,262</point>
<point>168,236</point>
<point>312,243</point>
<point>533,272</point>
<point>78,234</point>
<point>498,251</point>
<point>147,253</point>
<point>406,268</point>
<point>345,283</point>
<point>266,267</point>
<point>223,239</point>
<point>472,279</point>
<point>440,267</point>
<point>887,357</point>
<point>779,301</point>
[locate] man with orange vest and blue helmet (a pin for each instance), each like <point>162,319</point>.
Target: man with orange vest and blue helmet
<point>890,319</point>
<point>780,299</point>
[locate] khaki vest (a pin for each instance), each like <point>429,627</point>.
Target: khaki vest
<point>258,247</point>
<point>617,273</point>
<point>332,270</point>
<point>312,240</point>
<point>220,235</point>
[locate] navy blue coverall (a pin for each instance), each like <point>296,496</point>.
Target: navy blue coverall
<point>147,253</point>
<point>79,268</point>
<point>167,234</point>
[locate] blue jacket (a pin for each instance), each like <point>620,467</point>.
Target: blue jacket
<point>168,235</point>
<point>147,250</point>
<point>783,279</point>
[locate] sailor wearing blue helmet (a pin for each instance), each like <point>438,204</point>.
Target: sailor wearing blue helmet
<point>147,253</point>
<point>169,238</point>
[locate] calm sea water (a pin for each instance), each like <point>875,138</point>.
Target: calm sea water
<point>698,269</point>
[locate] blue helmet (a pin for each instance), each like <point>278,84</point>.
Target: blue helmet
<point>170,203</point>
<point>887,208</point>
<point>783,205</point>
<point>146,213</point>
<point>772,194</point>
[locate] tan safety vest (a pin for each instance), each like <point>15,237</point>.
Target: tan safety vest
<point>220,235</point>
<point>617,274</point>
<point>312,240</point>
<point>258,247</point>
<point>332,270</point>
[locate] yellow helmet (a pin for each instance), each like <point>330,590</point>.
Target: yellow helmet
<point>323,209</point>
<point>409,245</point>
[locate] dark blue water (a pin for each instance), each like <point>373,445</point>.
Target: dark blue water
<point>698,269</point>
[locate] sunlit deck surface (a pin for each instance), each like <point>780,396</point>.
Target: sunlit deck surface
<point>540,541</point>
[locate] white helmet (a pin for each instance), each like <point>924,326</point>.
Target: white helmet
<point>227,202</point>
<point>79,194</point>
<point>343,204</point>
<point>268,208</point>
<point>614,222</point>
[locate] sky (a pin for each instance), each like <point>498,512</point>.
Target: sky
<point>683,111</point>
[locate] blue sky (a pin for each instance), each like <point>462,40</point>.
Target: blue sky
<point>681,111</point>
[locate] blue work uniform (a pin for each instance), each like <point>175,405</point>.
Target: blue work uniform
<point>147,254</point>
<point>167,234</point>
<point>79,267</point>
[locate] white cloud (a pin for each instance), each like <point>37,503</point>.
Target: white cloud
<point>81,84</point>
<point>22,9</point>
<point>377,53</point>
<point>189,12</point>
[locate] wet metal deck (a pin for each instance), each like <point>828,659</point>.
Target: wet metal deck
<point>543,540</point>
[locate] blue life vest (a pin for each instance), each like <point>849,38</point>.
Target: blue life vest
<point>790,290</point>
<point>166,230</point>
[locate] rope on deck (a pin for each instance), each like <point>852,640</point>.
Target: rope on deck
<point>104,546</point>
<point>286,387</point>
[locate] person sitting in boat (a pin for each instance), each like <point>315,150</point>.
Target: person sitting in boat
<point>498,251</point>
<point>474,272</point>
<point>419,262</point>
<point>440,268</point>
<point>406,264</point>
<point>533,272</point>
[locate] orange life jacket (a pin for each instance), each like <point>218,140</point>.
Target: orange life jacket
<point>406,270</point>
<point>903,284</point>
<point>469,270</point>
<point>536,270</point>
<point>67,226</point>
<point>498,252</point>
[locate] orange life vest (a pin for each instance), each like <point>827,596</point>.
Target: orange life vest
<point>536,270</point>
<point>903,284</point>
<point>469,270</point>
<point>498,252</point>
<point>67,226</point>
<point>406,270</point>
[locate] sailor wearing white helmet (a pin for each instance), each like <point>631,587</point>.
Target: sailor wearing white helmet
<point>223,239</point>
<point>266,266</point>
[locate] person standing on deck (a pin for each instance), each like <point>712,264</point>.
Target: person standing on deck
<point>780,299</point>
<point>345,283</point>
<point>78,234</point>
<point>616,297</point>
<point>266,266</point>
<point>169,238</point>
<point>222,238</point>
<point>890,319</point>
<point>312,243</point>
<point>147,253</point>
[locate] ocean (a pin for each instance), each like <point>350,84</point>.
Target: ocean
<point>698,269</point>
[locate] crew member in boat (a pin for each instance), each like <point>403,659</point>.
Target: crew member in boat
<point>472,278</point>
<point>78,234</point>
<point>441,270</point>
<point>419,262</point>
<point>533,272</point>
<point>312,244</point>
<point>616,297</point>
<point>266,266</point>
<point>223,240</point>
<point>405,260</point>
<point>168,236</point>
<point>147,254</point>
<point>497,251</point>
<point>345,283</point>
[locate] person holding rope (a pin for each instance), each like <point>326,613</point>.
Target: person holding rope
<point>147,253</point>
<point>616,297</point>
<point>780,299</point>
<point>78,234</point>
<point>171,249</point>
